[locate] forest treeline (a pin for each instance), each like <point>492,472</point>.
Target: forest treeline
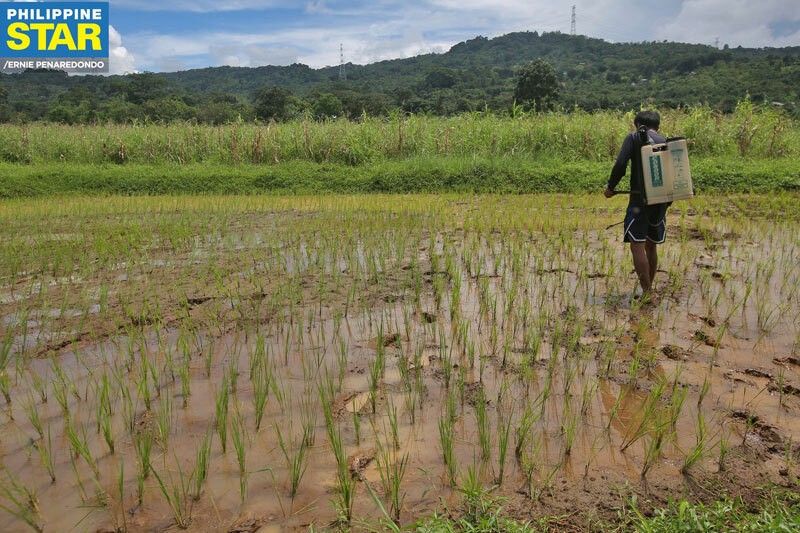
<point>476,75</point>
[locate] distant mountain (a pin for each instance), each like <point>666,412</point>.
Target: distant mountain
<point>475,74</point>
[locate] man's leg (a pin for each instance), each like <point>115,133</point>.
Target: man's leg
<point>652,259</point>
<point>641,264</point>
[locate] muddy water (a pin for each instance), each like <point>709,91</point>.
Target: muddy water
<point>543,328</point>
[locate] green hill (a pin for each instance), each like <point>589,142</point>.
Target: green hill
<point>473,75</point>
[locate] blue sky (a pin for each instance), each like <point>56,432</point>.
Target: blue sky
<point>176,35</point>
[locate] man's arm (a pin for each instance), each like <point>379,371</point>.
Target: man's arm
<point>621,165</point>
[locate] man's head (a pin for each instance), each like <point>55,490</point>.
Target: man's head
<point>649,119</point>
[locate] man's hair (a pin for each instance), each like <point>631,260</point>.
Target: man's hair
<point>650,119</point>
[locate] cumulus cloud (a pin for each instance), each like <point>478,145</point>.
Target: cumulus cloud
<point>202,6</point>
<point>384,29</point>
<point>738,22</point>
<point>120,60</point>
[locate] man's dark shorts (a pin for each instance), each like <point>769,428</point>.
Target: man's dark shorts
<point>648,223</point>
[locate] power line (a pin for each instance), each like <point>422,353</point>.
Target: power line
<point>342,71</point>
<point>572,22</point>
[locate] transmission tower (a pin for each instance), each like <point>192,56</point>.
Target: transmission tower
<point>342,71</point>
<point>572,22</point>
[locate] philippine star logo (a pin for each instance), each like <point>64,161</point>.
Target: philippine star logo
<point>68,36</point>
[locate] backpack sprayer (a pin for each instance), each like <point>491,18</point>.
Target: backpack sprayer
<point>666,175</point>
<point>665,170</point>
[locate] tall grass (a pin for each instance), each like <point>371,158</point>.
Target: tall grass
<point>751,131</point>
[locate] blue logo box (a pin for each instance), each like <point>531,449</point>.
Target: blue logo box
<point>47,30</point>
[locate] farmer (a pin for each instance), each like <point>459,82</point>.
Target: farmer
<point>644,225</point>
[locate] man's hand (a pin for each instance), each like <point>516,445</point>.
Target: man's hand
<point>608,193</point>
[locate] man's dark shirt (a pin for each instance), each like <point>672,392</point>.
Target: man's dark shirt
<point>631,151</point>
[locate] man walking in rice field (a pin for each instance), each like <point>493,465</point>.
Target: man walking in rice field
<point>645,226</point>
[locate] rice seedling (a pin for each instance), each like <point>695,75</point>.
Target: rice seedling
<point>79,444</point>
<point>78,479</point>
<point>120,495</point>
<point>393,424</point>
<point>221,414</point>
<point>698,451</point>
<point>164,420</point>
<point>531,308</point>
<point>201,466</point>
<point>703,390</point>
<point>392,469</point>
<point>780,381</point>
<point>647,416</point>
<point>345,482</point>
<point>105,413</point>
<point>239,438</point>
<point>38,385</point>
<point>5,354</point>
<point>143,445</point>
<point>32,412</point>
<point>569,426</point>
<point>503,434</point>
<point>279,393</point>
<point>295,454</point>
<point>655,444</point>
<point>143,386</point>
<point>447,444</point>
<point>177,495</point>
<point>20,502</point>
<point>45,448</point>
<point>375,373</point>
<point>261,377</point>
<point>522,431</point>
<point>61,395</point>
<point>186,382</point>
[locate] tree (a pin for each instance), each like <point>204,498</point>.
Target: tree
<point>143,87</point>
<point>537,85</point>
<point>167,109</point>
<point>327,105</point>
<point>118,109</point>
<point>4,114</point>
<point>272,103</point>
<point>440,78</point>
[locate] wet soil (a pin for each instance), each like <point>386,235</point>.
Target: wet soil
<point>538,327</point>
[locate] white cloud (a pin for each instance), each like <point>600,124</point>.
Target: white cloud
<point>738,22</point>
<point>202,6</point>
<point>385,29</point>
<point>120,60</point>
<point>388,33</point>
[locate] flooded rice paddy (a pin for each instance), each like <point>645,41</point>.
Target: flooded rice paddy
<point>271,364</point>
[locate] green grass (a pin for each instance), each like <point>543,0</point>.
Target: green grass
<point>778,512</point>
<point>754,149</point>
<point>751,131</point>
<point>439,174</point>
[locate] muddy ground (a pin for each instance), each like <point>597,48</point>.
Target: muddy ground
<point>522,306</point>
